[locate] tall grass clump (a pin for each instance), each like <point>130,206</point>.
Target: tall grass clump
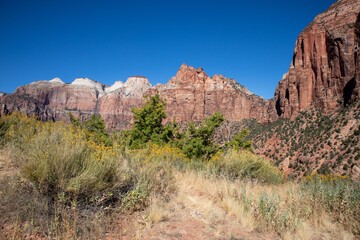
<point>152,167</point>
<point>235,164</point>
<point>76,175</point>
<point>59,158</point>
<point>336,195</point>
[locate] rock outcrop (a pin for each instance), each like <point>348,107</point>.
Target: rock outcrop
<point>325,68</point>
<point>192,95</point>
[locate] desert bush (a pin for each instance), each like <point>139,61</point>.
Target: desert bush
<point>238,141</point>
<point>67,165</point>
<point>59,158</point>
<point>148,125</point>
<point>152,171</point>
<point>198,142</point>
<point>337,195</point>
<point>245,165</point>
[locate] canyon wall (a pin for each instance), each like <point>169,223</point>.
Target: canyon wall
<point>325,68</point>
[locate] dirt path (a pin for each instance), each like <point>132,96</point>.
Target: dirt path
<point>192,214</point>
<point>7,169</point>
<point>195,212</point>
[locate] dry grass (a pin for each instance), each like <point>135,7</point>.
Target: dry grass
<point>159,210</point>
<point>214,197</point>
<point>70,187</point>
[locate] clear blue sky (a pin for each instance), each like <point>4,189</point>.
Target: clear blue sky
<point>250,41</point>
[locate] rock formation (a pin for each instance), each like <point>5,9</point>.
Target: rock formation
<point>325,72</point>
<point>191,95</point>
<point>325,68</point>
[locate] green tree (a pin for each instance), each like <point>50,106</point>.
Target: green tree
<point>74,121</point>
<point>94,126</point>
<point>199,142</point>
<point>148,125</point>
<point>238,141</point>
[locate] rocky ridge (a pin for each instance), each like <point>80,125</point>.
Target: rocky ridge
<point>191,95</point>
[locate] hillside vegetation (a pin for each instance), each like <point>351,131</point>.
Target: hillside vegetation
<point>77,181</point>
<point>313,142</point>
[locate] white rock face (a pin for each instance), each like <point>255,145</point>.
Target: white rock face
<point>39,82</point>
<point>56,80</point>
<point>99,87</point>
<point>284,76</point>
<point>136,86</point>
<point>115,86</point>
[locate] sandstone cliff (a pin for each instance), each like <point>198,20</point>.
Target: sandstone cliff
<point>325,68</point>
<point>191,95</point>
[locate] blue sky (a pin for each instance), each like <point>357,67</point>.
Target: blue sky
<point>249,41</point>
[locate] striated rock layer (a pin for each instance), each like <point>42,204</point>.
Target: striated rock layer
<point>325,72</point>
<point>325,68</point>
<point>191,95</point>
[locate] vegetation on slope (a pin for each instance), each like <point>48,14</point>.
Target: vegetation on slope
<point>312,142</point>
<point>74,179</point>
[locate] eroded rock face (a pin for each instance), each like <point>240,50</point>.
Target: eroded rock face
<point>53,100</point>
<point>192,95</point>
<point>325,67</point>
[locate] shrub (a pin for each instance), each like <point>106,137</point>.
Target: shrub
<point>244,164</point>
<point>335,194</point>
<point>198,142</point>
<point>324,169</point>
<point>238,141</point>
<point>148,124</point>
<point>61,159</point>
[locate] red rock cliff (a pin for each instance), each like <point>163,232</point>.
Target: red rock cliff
<point>192,95</point>
<point>325,68</point>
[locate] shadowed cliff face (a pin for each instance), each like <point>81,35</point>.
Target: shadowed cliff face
<point>324,70</point>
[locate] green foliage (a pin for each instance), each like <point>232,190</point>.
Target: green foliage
<point>246,165</point>
<point>238,141</point>
<point>198,142</point>
<point>148,125</point>
<point>95,128</point>
<point>324,169</point>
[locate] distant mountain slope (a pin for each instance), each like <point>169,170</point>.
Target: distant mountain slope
<point>191,96</point>
<point>313,142</point>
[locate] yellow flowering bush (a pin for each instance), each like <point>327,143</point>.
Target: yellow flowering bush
<point>58,157</point>
<point>338,195</point>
